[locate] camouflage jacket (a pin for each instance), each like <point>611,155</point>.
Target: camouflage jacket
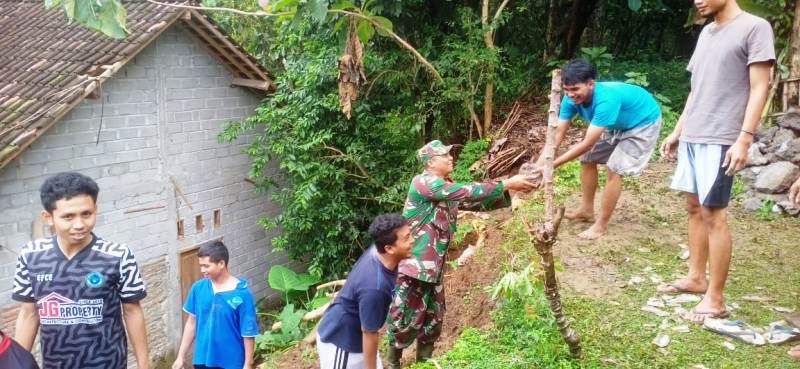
<point>431,209</point>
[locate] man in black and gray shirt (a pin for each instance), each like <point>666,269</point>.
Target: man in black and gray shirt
<point>77,287</point>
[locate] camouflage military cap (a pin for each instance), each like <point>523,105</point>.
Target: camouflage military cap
<point>432,149</point>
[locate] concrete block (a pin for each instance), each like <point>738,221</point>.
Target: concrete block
<point>184,116</point>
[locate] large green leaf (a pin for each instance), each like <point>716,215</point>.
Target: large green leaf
<point>365,31</point>
<point>635,5</point>
<point>305,281</point>
<point>318,9</point>
<point>290,319</point>
<point>384,22</point>
<point>282,278</point>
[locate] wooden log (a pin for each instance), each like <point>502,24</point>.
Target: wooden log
<point>545,234</point>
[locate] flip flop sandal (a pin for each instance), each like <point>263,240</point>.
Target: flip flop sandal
<point>706,315</point>
<point>736,329</point>
<point>677,290</point>
<point>780,333</point>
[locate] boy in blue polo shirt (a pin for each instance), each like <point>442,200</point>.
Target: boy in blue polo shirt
<point>222,316</point>
<point>624,122</point>
<point>347,337</point>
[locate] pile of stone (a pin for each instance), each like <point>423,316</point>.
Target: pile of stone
<point>773,165</point>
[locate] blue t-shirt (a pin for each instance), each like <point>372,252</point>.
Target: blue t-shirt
<point>615,106</point>
<point>221,320</point>
<point>363,302</point>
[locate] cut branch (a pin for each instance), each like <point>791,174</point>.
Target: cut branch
<point>545,235</point>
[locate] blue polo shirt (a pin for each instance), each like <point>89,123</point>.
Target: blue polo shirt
<point>615,106</point>
<point>363,303</point>
<point>221,321</point>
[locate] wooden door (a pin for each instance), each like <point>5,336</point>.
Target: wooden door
<point>189,273</point>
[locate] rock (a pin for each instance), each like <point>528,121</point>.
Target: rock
<point>755,156</point>
<point>782,136</point>
<point>788,208</point>
<point>788,150</point>
<point>765,135</point>
<point>791,119</point>
<point>749,175</point>
<point>781,309</point>
<point>752,204</point>
<point>729,345</point>
<point>776,177</point>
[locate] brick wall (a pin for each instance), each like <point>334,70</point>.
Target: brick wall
<point>154,126</point>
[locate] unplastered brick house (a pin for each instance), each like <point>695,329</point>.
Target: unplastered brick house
<point>141,116</point>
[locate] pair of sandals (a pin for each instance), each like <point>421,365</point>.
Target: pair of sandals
<point>778,332</point>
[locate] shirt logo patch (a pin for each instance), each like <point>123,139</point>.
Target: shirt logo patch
<point>55,309</point>
<point>235,301</point>
<point>94,279</point>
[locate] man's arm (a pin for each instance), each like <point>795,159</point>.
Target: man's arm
<point>27,325</point>
<point>794,193</point>
<point>593,134</point>
<point>736,157</point>
<point>369,341</point>
<point>186,341</point>
<point>249,346</point>
<point>137,333</point>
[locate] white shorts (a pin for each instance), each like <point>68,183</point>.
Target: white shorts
<point>700,172</point>
<point>332,357</point>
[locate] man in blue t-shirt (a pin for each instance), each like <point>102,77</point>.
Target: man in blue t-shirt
<point>624,122</point>
<point>347,337</point>
<point>222,316</point>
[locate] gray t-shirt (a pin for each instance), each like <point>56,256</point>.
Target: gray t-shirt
<point>721,78</point>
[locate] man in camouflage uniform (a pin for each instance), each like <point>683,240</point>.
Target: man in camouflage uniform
<point>417,310</point>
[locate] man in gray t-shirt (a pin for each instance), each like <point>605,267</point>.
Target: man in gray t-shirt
<point>730,71</point>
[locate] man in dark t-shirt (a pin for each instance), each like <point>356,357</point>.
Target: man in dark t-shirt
<point>348,333</point>
<point>12,355</point>
<point>76,288</point>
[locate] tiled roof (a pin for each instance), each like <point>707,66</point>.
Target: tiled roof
<point>48,65</point>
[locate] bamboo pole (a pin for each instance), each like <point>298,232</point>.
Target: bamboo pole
<point>545,235</point>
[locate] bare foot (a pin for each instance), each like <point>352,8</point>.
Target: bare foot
<point>683,285</point>
<point>704,310</point>
<point>580,215</point>
<point>595,231</point>
<point>794,352</point>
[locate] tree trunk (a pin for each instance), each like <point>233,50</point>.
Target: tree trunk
<point>488,95</point>
<point>581,13</point>
<point>551,38</point>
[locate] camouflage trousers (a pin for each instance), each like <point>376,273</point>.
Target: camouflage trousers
<point>416,312</point>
